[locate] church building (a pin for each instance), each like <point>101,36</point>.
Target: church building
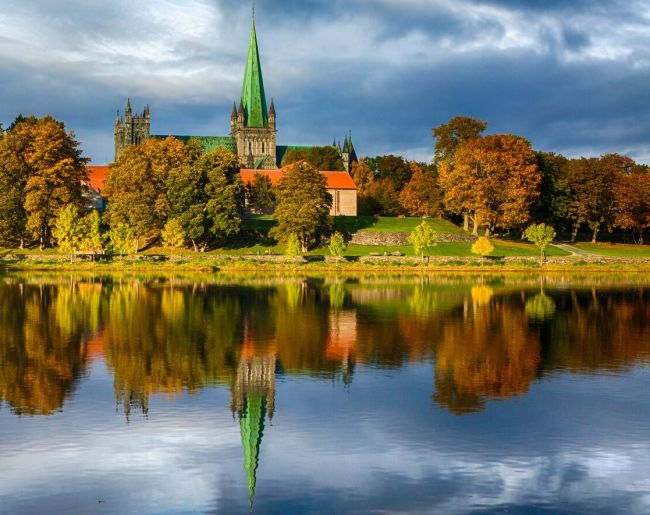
<point>253,136</point>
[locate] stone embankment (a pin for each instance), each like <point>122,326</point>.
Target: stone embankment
<point>388,239</point>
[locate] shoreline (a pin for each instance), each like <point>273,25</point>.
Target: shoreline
<point>388,264</point>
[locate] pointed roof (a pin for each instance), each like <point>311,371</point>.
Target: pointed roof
<point>252,94</point>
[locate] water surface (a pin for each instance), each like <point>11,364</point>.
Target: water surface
<point>326,395</point>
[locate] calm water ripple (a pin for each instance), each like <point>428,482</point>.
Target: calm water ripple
<point>324,395</point>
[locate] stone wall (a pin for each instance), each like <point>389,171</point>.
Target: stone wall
<point>401,238</point>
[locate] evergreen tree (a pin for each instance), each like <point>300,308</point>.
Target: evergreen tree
<point>303,206</point>
<point>337,245</point>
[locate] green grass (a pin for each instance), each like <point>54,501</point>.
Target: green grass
<point>390,224</point>
<point>615,249</point>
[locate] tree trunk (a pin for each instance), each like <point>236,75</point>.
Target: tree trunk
<point>594,234</point>
<point>541,257</point>
<point>574,234</point>
<point>196,249</point>
<point>22,243</point>
<point>487,232</point>
<point>466,222</point>
<point>475,228</point>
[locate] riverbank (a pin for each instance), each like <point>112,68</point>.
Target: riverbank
<point>391,264</point>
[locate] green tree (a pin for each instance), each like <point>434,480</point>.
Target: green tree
<point>173,236</point>
<point>92,239</point>
<point>68,230</point>
<point>482,247</point>
<point>337,245</point>
<point>423,237</point>
<point>292,246</point>
<point>123,239</point>
<point>322,158</point>
<point>225,193</point>
<point>303,206</point>
<point>540,235</point>
<point>261,198</point>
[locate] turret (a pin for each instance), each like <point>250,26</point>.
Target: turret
<point>240,114</point>
<point>272,115</point>
<point>128,113</point>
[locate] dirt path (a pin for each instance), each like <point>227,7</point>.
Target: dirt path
<point>574,251</point>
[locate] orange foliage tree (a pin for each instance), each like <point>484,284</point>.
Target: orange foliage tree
<point>495,179</point>
<point>421,196</point>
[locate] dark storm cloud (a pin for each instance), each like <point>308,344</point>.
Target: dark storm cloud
<point>571,76</point>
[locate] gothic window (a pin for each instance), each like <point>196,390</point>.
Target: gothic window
<point>250,147</point>
<point>263,149</point>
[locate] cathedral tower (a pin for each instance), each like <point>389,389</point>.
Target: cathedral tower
<point>132,129</point>
<point>252,125</point>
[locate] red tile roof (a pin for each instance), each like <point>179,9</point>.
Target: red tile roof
<point>335,180</point>
<point>97,177</point>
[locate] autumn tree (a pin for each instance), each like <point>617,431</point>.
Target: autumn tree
<point>494,179</point>
<point>14,172</point>
<point>136,186</point>
<point>632,206</point>
<point>173,236</point>
<point>591,199</point>
<point>382,198</point>
<point>449,136</point>
<point>482,247</point>
<point>303,206</point>
<point>551,206</point>
<point>421,196</point>
<point>391,168</point>
<point>261,198</point>
<point>53,170</point>
<point>292,247</point>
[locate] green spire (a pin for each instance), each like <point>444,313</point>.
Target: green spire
<point>252,92</point>
<point>251,425</point>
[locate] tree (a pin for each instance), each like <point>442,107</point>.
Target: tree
<point>303,206</point>
<point>591,198</point>
<point>322,158</point>
<point>391,168</point>
<point>423,237</point>
<point>632,211</point>
<point>382,198</point>
<point>292,246</point>
<point>540,235</point>
<point>67,230</point>
<point>551,206</point>
<point>122,238</point>
<point>225,193</point>
<point>494,179</point>
<point>136,187</point>
<point>45,168</point>
<point>173,236</point>
<point>261,198</point>
<point>449,136</point>
<point>421,196</point>
<point>92,239</point>
<point>337,245</point>
<point>482,247</point>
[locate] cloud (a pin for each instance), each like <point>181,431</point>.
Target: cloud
<point>568,75</point>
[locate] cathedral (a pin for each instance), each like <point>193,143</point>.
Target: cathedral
<point>253,129</point>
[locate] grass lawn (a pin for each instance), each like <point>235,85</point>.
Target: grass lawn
<point>390,224</point>
<point>615,249</point>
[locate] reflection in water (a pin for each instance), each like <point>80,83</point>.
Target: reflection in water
<point>485,341</point>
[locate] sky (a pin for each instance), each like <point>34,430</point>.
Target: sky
<point>571,76</point>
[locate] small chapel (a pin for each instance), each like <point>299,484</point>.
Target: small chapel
<point>253,136</point>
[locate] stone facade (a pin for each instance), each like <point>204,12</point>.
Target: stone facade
<point>133,129</point>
